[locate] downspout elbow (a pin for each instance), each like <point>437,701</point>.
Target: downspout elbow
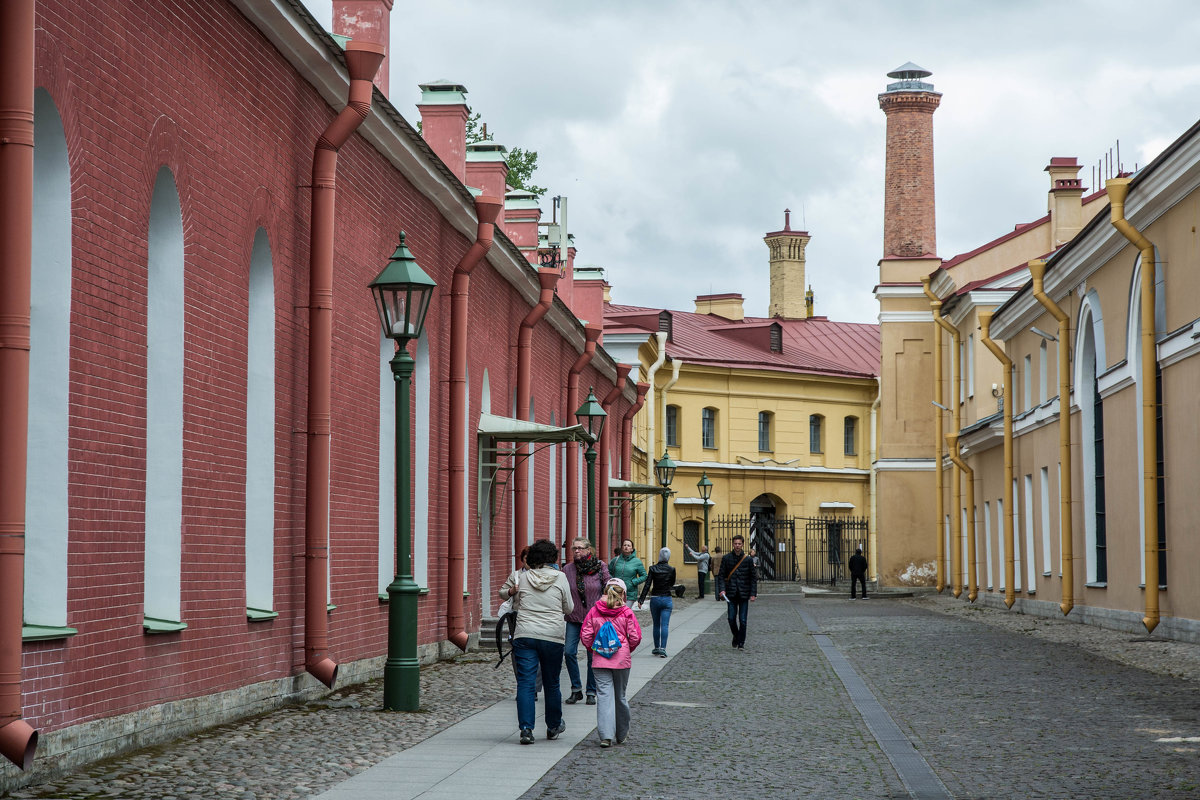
<point>1118,190</point>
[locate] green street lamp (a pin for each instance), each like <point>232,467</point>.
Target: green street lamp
<point>664,471</point>
<point>705,487</point>
<point>591,416</point>
<point>402,293</point>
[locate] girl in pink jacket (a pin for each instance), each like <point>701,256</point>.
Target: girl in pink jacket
<point>612,674</point>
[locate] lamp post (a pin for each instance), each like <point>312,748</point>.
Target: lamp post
<point>402,293</point>
<point>591,416</point>
<point>705,487</point>
<point>664,471</point>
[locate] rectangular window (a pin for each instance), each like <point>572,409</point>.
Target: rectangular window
<point>691,538</point>
<point>970,365</point>
<point>1028,373</point>
<point>708,428</point>
<point>814,433</point>
<point>1027,521</point>
<point>672,433</point>
<point>764,431</point>
<point>1046,521</point>
<point>849,436</point>
<point>987,540</point>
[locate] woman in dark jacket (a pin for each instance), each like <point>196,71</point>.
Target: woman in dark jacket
<point>586,576</point>
<point>659,585</point>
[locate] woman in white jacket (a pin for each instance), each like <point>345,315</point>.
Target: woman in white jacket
<point>542,598</point>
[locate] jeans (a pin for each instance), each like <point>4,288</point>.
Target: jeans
<point>528,654</point>
<point>571,655</point>
<point>660,613</point>
<point>612,707</point>
<point>855,580</point>
<point>739,609</point>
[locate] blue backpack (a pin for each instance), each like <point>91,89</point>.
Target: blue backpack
<point>607,642</point>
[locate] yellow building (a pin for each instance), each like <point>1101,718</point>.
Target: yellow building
<point>776,411</point>
<point>1052,378</point>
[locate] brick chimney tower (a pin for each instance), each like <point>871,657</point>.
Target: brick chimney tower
<point>787,270</point>
<point>366,21</point>
<point>908,214</point>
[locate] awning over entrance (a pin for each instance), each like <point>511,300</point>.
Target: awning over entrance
<point>629,487</point>
<point>506,429</point>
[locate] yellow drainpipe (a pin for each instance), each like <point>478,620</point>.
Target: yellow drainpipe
<point>969,474</point>
<point>1037,270</point>
<point>1010,594</point>
<point>956,575</point>
<point>938,432</point>
<point>1118,188</point>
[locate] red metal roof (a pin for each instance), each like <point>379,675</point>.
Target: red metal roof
<point>817,346</point>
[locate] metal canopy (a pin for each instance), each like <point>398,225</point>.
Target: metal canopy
<point>618,485</point>
<point>506,429</point>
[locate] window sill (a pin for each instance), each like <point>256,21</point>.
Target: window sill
<point>45,633</point>
<point>1096,585</point>
<point>260,614</point>
<point>153,625</point>
<point>1162,587</point>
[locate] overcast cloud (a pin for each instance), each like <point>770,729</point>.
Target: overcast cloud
<point>681,130</point>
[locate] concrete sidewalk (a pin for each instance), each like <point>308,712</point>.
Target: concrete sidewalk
<point>481,756</point>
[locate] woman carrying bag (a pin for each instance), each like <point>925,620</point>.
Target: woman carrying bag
<point>612,659</point>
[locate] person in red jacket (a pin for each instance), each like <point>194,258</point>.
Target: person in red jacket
<point>612,672</point>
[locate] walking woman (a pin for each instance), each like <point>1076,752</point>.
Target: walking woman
<point>612,673</point>
<point>586,575</point>
<point>660,585</point>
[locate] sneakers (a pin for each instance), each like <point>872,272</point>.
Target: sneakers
<point>552,733</point>
<point>591,700</point>
<point>526,736</point>
<point>606,742</point>
<point>662,653</point>
<point>575,697</point>
<point>622,739</point>
<point>658,651</point>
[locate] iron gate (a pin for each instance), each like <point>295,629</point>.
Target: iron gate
<point>773,539</point>
<point>829,543</point>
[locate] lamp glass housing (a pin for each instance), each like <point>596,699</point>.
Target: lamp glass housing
<point>592,416</point>
<point>705,486</point>
<point>664,470</point>
<point>402,295</point>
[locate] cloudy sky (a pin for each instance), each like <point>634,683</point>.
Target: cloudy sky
<point>681,130</point>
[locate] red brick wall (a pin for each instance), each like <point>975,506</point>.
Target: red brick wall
<point>195,88</point>
<point>908,220</point>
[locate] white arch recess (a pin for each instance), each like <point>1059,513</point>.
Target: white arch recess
<point>1089,363</point>
<point>164,405</point>
<point>485,497</point>
<point>421,457</point>
<point>46,479</point>
<point>387,464</point>
<point>260,429</point>
<point>1133,348</point>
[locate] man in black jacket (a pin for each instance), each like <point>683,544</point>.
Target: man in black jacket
<point>858,572</point>
<point>737,585</point>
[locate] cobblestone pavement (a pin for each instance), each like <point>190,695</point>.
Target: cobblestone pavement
<point>1000,705</point>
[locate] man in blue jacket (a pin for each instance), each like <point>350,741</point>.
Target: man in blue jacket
<point>737,585</point>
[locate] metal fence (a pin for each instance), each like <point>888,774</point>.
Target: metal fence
<point>817,556</point>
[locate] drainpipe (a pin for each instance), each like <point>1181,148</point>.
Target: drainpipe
<point>486,210</point>
<point>362,61</point>
<point>18,740</point>
<point>1010,572</point>
<point>1037,270</point>
<point>653,527</point>
<point>938,433</point>
<point>592,331</point>
<point>547,278</point>
<point>969,474</point>
<point>873,533</point>
<point>605,449</point>
<point>627,452</point>
<point>1118,188</point>
<point>652,414</point>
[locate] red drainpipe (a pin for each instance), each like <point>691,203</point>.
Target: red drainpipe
<point>592,331</point>
<point>486,209</point>
<point>605,440</point>
<point>362,61</point>
<point>18,740</point>
<point>547,278</point>
<point>627,451</point>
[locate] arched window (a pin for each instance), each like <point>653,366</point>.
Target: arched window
<point>422,465</point>
<point>1090,362</point>
<point>766,432</point>
<point>387,465</point>
<point>708,428</point>
<point>260,433</point>
<point>164,408</point>
<point>1135,358</point>
<point>46,483</point>
<point>815,445</point>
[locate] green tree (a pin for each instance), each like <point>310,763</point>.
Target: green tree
<point>522,163</point>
